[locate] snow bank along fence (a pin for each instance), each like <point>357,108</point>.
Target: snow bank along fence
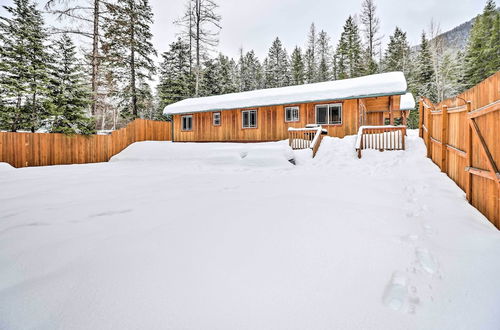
<point>40,149</point>
<point>462,135</point>
<point>306,138</point>
<point>380,138</point>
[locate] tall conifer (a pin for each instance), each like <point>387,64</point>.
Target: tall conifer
<point>128,35</point>
<point>70,97</point>
<point>23,67</point>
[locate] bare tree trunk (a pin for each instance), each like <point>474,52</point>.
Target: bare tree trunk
<point>370,42</point>
<point>132,63</point>
<point>198,23</point>
<point>33,112</point>
<point>103,118</point>
<point>190,34</point>
<point>15,122</point>
<point>95,58</point>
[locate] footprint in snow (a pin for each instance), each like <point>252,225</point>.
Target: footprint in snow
<point>426,261</point>
<point>399,295</point>
<point>409,239</point>
<point>413,214</point>
<point>428,230</point>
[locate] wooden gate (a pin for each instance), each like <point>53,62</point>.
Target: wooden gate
<point>462,135</point>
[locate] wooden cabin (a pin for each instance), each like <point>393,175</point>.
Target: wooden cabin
<point>340,107</point>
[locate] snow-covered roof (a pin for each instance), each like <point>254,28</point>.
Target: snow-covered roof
<point>407,102</point>
<point>390,83</point>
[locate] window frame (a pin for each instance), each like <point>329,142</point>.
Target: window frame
<point>182,123</point>
<point>243,118</point>
<point>328,121</point>
<point>213,118</point>
<point>293,109</point>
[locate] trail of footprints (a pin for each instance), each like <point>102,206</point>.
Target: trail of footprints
<point>401,292</point>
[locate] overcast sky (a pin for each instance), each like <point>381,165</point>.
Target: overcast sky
<point>254,24</point>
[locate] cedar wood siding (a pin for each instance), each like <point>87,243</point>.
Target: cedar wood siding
<point>271,125</point>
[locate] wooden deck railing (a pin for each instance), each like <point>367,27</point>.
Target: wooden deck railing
<point>305,138</point>
<point>380,138</point>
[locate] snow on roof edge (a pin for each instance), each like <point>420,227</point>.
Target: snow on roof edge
<point>391,83</point>
<point>295,102</point>
<point>407,102</point>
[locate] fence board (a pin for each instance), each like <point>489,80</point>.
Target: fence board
<point>465,148</point>
<point>41,149</point>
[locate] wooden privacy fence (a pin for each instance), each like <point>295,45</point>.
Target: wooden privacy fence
<point>41,149</point>
<point>462,135</point>
<point>380,138</point>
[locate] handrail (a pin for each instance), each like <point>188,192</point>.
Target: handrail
<point>306,142</point>
<point>316,137</point>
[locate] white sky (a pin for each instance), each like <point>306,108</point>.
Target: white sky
<point>254,24</point>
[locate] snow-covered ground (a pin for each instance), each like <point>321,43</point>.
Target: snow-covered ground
<point>231,236</point>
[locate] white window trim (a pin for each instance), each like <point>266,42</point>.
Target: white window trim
<point>298,114</point>
<point>213,118</point>
<point>182,123</point>
<point>256,118</point>
<point>328,113</point>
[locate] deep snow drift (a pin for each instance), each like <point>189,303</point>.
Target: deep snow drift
<point>231,236</point>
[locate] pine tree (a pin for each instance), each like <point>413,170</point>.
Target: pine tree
<point>483,49</point>
<point>204,27</point>
<point>186,22</point>
<point>297,67</point>
<point>209,84</point>
<point>129,39</point>
<point>397,54</point>
<point>249,72</point>
<point>424,75</point>
<point>371,26</point>
<point>219,77</point>
<point>494,46</point>
<point>70,98</point>
<point>310,57</point>
<point>176,83</point>
<point>348,54</point>
<point>324,73</point>
<point>80,16</point>
<point>23,69</point>
<point>277,72</point>
<point>146,103</point>
<point>335,68</point>
<point>450,75</point>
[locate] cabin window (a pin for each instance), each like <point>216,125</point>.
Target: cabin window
<point>249,118</point>
<point>187,123</point>
<point>291,114</point>
<point>329,114</point>
<point>216,118</point>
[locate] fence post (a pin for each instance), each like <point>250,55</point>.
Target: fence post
<point>444,138</point>
<point>468,164</point>
<point>421,118</point>
<point>429,133</point>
